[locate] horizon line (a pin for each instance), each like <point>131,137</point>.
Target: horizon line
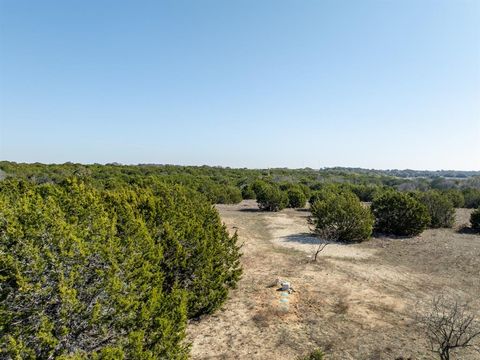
<point>115,163</point>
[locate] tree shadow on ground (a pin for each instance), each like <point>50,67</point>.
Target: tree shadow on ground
<point>467,230</point>
<point>303,238</point>
<point>391,237</point>
<point>250,210</point>
<point>311,239</point>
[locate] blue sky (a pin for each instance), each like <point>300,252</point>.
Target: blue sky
<point>375,84</point>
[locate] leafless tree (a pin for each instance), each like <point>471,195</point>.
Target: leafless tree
<point>450,326</point>
<point>323,236</point>
<point>319,249</point>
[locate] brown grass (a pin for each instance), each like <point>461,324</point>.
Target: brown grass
<point>357,302</point>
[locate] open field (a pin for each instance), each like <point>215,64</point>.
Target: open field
<point>357,302</point>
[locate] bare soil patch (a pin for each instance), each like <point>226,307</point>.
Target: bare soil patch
<point>357,302</point>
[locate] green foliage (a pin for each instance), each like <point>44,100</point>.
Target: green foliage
<point>365,192</point>
<point>218,193</point>
<point>109,274</point>
<point>296,198</point>
<point>440,183</point>
<point>305,189</point>
<point>472,198</point>
<point>229,195</point>
<point>314,355</point>
<point>315,196</point>
<point>399,214</point>
<point>200,256</point>
<point>475,219</point>
<point>222,185</point>
<point>325,191</point>
<point>440,208</point>
<point>341,217</point>
<point>269,196</point>
<point>456,197</point>
<point>248,193</point>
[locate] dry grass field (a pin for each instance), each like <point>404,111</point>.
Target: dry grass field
<point>356,302</point>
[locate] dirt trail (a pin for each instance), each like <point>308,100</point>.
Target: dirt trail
<point>356,302</point>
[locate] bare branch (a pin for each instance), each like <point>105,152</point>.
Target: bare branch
<point>449,326</point>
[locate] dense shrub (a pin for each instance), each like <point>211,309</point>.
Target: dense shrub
<point>108,274</point>
<point>306,190</point>
<point>315,196</point>
<point>199,254</point>
<point>248,193</point>
<point>228,194</point>
<point>472,198</point>
<point>475,219</point>
<point>342,217</point>
<point>324,192</point>
<point>365,192</point>
<point>286,186</point>
<point>269,196</point>
<point>220,193</point>
<point>296,198</point>
<point>399,214</point>
<point>440,208</point>
<point>456,197</point>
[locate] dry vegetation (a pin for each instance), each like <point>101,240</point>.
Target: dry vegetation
<point>356,302</point>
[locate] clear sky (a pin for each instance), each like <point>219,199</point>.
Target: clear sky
<point>375,84</point>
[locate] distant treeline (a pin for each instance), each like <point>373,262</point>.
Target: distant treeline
<point>229,185</point>
<point>409,173</point>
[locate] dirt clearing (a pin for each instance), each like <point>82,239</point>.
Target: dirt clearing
<point>357,302</point>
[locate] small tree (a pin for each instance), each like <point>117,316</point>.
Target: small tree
<point>475,219</point>
<point>472,198</point>
<point>456,197</point>
<point>449,326</point>
<point>269,196</point>
<point>440,208</point>
<point>319,248</point>
<point>296,198</point>
<point>399,214</point>
<point>324,193</point>
<point>228,194</point>
<point>342,217</point>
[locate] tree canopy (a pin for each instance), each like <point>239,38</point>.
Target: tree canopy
<point>89,273</point>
